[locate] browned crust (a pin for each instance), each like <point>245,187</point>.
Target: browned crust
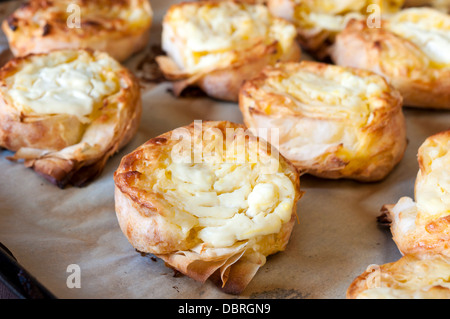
<point>420,86</point>
<point>97,30</point>
<point>42,141</point>
<point>386,132</point>
<point>315,42</point>
<point>141,215</point>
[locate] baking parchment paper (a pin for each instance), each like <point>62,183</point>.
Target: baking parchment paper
<point>49,229</point>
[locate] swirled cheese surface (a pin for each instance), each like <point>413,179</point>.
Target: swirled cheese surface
<point>410,278</point>
<point>334,94</point>
<point>428,29</point>
<point>198,36</point>
<point>65,82</point>
<point>229,202</point>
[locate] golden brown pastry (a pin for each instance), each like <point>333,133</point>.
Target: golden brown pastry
<point>421,231</point>
<point>442,5</point>
<point>331,121</point>
<point>411,277</point>
<point>216,45</point>
<point>422,225</point>
<point>119,28</point>
<point>410,50</point>
<point>318,21</point>
<point>210,199</point>
<point>66,112</point>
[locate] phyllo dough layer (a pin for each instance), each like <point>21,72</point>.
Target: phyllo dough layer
<point>332,122</point>
<point>119,28</point>
<point>66,112</point>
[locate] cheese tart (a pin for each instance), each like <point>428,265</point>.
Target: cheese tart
<point>318,22</point>
<point>332,122</point>
<point>410,50</point>
<point>119,28</point>
<point>216,45</point>
<point>210,199</point>
<point>410,277</point>
<point>422,225</point>
<point>442,5</point>
<point>66,112</point>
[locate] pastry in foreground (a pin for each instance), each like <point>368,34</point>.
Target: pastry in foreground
<point>331,121</point>
<point>216,45</point>
<point>119,28</point>
<point>411,277</point>
<point>318,22</point>
<point>210,199</point>
<point>66,112</point>
<point>422,225</point>
<point>410,50</point>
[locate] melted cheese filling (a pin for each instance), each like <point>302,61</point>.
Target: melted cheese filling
<point>225,202</point>
<point>428,29</point>
<point>199,37</point>
<point>433,187</point>
<point>71,83</point>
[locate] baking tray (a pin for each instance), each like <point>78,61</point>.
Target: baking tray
<point>47,229</point>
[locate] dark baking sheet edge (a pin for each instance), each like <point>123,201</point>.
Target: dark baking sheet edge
<point>18,280</point>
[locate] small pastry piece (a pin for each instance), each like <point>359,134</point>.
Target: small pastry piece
<point>423,226</point>
<point>332,122</point>
<point>210,199</point>
<point>119,28</point>
<point>216,45</point>
<point>318,22</point>
<point>411,277</point>
<point>410,50</point>
<point>66,112</point>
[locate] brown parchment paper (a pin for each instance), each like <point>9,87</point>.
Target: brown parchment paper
<point>337,237</point>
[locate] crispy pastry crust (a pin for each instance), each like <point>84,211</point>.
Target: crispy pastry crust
<point>399,60</point>
<point>384,138</point>
<point>313,37</point>
<point>59,146</point>
<point>409,277</point>
<point>223,82</point>
<point>40,26</point>
<point>421,231</point>
<point>429,231</point>
<point>148,221</point>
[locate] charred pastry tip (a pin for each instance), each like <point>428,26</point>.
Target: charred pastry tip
<point>12,23</point>
<point>46,29</point>
<point>384,217</point>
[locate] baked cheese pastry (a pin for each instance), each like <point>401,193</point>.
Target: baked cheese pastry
<point>119,28</point>
<point>210,199</point>
<point>319,21</point>
<point>411,277</point>
<point>422,225</point>
<point>331,121</point>
<point>66,112</point>
<point>216,45</point>
<point>441,5</point>
<point>410,50</point>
